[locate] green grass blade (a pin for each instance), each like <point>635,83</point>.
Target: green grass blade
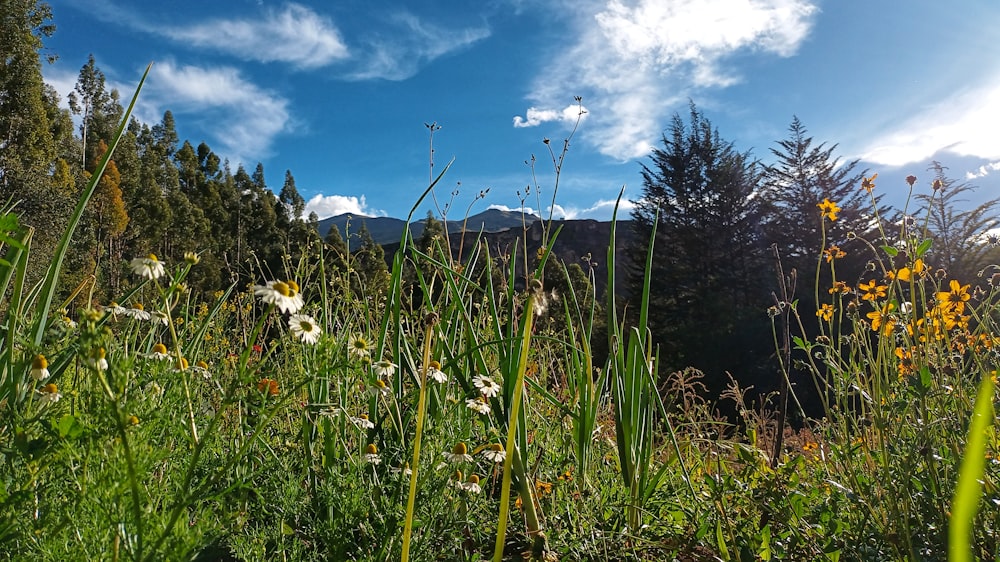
<point>968,492</point>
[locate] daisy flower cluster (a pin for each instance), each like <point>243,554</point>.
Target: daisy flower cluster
<point>488,388</point>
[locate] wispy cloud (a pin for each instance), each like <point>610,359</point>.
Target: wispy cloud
<point>243,118</point>
<point>407,45</point>
<point>600,210</point>
<point>295,34</point>
<point>983,171</point>
<point>634,62</point>
<point>955,125</point>
<point>332,205</point>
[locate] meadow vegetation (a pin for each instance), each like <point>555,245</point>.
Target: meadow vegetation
<point>324,405</point>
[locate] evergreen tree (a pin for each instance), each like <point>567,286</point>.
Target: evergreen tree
<point>372,273</point>
<point>100,109</point>
<point>708,292</point>
<point>803,175</point>
<point>963,243</point>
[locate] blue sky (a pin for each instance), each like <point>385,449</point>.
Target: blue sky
<point>340,92</point>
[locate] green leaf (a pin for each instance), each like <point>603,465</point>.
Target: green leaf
<point>969,489</point>
<point>720,541</point>
<point>925,377</point>
<point>924,246</point>
<point>801,343</point>
<point>69,427</point>
<point>893,252</point>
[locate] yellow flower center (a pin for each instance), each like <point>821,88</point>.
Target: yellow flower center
<point>50,388</point>
<point>293,286</point>
<point>306,326</point>
<point>133,420</point>
<point>182,364</point>
<point>473,479</point>
<point>435,365</point>
<point>282,289</point>
<point>152,257</point>
<point>496,447</point>
<point>460,449</point>
<point>201,365</point>
<point>40,362</point>
<point>138,306</point>
<point>371,449</point>
<point>160,348</point>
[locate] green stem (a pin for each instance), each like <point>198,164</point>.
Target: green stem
<point>415,465</point>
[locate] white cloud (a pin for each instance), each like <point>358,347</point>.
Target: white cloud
<point>332,205</point>
<point>243,118</point>
<point>600,210</point>
<point>295,35</point>
<point>983,171</point>
<point>534,116</point>
<point>410,43</point>
<point>633,63</point>
<point>957,124</point>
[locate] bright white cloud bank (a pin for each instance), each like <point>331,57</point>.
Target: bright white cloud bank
<point>634,61</point>
<point>958,124</point>
<point>600,210</point>
<point>332,205</point>
<point>295,34</point>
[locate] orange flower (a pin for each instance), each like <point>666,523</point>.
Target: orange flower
<point>828,209</point>
<point>868,184</point>
<point>268,386</point>
<point>825,312</point>
<point>839,287</point>
<point>871,291</point>
<point>905,274</point>
<point>955,299</point>
<point>833,252</point>
<point>883,319</point>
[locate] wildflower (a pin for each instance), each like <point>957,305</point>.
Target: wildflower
<point>159,316</point>
<point>495,453</point>
<point>160,352</point>
<point>116,309</point>
<point>201,368</point>
<point>435,373</point>
<point>906,274</point>
<point>828,209</point>
<point>358,347</point>
<point>181,364</point>
<point>404,470</point>
<point>148,267</point>
<point>954,299</point>
<point>486,385</point>
<point>839,287</point>
<point>910,179</point>
<point>133,420</point>
<point>379,388</point>
<point>39,368</point>
<point>384,368</point>
<point>267,386</point>
<point>993,240</point>
<point>371,454</point>
<point>457,479</point>
<point>825,312</point>
<point>872,291</point>
<point>459,453</point>
<point>49,393</point>
<point>937,184</point>
<point>282,294</point>
<point>97,359</point>
<point>811,445</point>
<point>833,252</point>
<point>362,421</point>
<point>543,488</point>
<point>478,405</point>
<point>138,312</point>
<point>905,365</point>
<point>304,327</point>
<point>883,319</point>
<point>472,485</point>
<point>191,258</point>
<point>868,184</point>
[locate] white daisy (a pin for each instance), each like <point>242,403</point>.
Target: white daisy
<point>49,394</point>
<point>137,312</point>
<point>478,405</point>
<point>384,368</point>
<point>116,309</point>
<point>304,327</point>
<point>435,373</point>
<point>39,368</point>
<point>379,388</point>
<point>371,454</point>
<point>486,385</point>
<point>358,347</point>
<point>98,360</point>
<point>495,453</point>
<point>282,294</point>
<point>362,421</point>
<point>148,267</point>
<point>472,485</point>
<point>159,316</point>
<point>159,352</point>
<point>459,453</point>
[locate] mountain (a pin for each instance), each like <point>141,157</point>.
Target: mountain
<point>388,230</point>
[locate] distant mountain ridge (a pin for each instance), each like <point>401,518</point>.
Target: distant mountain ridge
<point>389,230</point>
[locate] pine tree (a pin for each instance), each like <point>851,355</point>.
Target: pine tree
<point>372,280</point>
<point>803,175</point>
<point>963,241</point>
<point>708,293</point>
